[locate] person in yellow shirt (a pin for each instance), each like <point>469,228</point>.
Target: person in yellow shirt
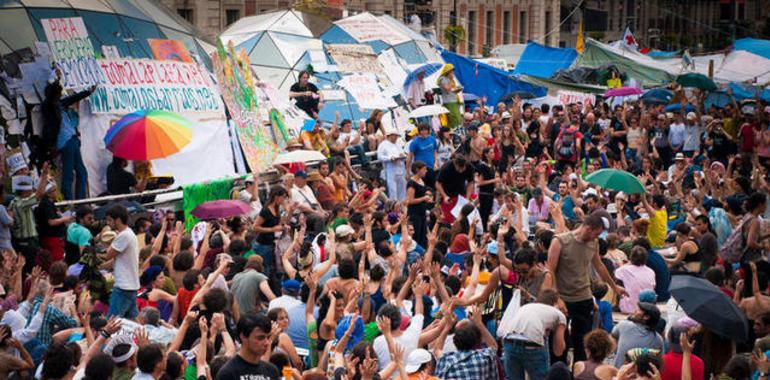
<point>312,137</point>
<point>420,365</point>
<point>658,216</point>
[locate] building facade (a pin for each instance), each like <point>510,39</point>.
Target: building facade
<point>487,23</point>
<point>698,25</point>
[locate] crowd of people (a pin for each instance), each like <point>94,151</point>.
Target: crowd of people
<point>469,250</point>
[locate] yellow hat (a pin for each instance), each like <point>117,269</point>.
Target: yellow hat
<point>447,68</point>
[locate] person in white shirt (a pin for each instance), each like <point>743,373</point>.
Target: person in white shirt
<point>304,199</point>
<point>415,94</point>
<point>125,251</point>
<point>289,293</point>
<point>511,201</point>
<point>389,320</point>
<point>525,345</point>
<point>393,158</point>
<point>250,195</point>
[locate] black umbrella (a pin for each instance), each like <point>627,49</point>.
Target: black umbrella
<point>521,94</point>
<point>708,305</point>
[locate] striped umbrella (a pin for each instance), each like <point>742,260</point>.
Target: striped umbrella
<point>148,135</point>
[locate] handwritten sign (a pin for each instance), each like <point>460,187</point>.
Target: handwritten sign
<point>72,51</point>
<point>354,58</point>
<point>366,27</point>
<point>365,90</point>
<point>568,97</point>
<point>169,50</point>
<point>15,162</point>
<point>128,85</point>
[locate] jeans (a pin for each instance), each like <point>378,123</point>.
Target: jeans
<point>123,304</point>
<point>358,151</point>
<point>581,315</point>
<point>72,162</point>
<point>267,252</point>
<point>519,358</point>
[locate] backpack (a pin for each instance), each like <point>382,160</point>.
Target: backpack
<point>566,151</point>
<point>733,248</point>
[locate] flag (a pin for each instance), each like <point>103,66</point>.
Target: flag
<point>580,45</point>
<point>629,40</point>
<point>687,61</point>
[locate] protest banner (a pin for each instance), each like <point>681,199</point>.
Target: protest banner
<point>15,161</point>
<point>237,85</point>
<point>169,50</point>
<point>72,51</point>
<point>569,97</point>
<point>366,27</point>
<point>354,58</point>
<point>129,85</point>
<point>365,90</point>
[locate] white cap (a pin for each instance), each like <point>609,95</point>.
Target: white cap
<point>505,115</point>
<point>343,230</point>
<point>391,131</point>
<point>416,359</point>
<point>691,116</point>
<point>590,191</point>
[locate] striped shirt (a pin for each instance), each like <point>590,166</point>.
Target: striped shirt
<point>24,219</point>
<point>53,321</point>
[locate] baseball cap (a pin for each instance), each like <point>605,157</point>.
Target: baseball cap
<point>344,230</point>
<point>691,116</point>
<point>416,359</point>
<point>300,174</point>
<point>590,191</point>
<point>505,115</point>
<point>291,285</point>
<point>648,296</point>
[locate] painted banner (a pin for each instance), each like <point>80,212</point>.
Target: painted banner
<point>568,97</point>
<point>72,51</point>
<point>365,90</point>
<point>366,27</point>
<point>237,85</point>
<point>169,50</point>
<point>129,85</point>
<point>354,58</point>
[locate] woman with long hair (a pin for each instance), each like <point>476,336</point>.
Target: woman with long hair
<point>445,146</point>
<point>268,223</point>
<point>418,200</point>
<point>373,125</point>
<point>486,179</point>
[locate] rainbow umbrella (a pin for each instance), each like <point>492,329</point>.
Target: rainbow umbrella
<point>147,135</point>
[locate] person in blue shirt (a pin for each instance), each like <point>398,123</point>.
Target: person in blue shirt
<point>424,148</point>
<point>604,317</point>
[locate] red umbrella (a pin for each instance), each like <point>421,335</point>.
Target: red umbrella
<point>221,209</point>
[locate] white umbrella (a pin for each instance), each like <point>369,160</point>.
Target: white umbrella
<point>299,156</point>
<point>431,110</point>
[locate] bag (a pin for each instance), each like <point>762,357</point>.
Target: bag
<point>506,323</point>
<point>733,248</point>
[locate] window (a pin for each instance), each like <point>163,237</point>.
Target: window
<point>523,24</point>
<point>186,13</point>
<point>489,29</point>
<point>471,32</point>
<point>548,26</point>
<point>630,8</point>
<point>507,27</point>
<point>231,16</point>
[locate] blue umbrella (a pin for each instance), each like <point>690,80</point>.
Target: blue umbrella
<point>678,108</point>
<point>718,99</point>
<point>658,95</point>
<point>427,69</point>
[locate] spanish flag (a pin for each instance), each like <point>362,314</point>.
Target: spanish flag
<point>580,45</point>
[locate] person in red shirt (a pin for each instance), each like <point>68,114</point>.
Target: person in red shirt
<point>672,361</point>
<point>748,133</point>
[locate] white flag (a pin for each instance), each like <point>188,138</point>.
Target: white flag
<point>629,40</point>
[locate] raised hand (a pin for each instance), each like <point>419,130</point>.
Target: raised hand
<point>141,336</point>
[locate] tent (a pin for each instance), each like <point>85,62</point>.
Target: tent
<point>484,80</point>
<point>542,61</point>
<point>649,71</point>
<point>381,33</point>
<point>279,45</point>
<point>511,53</point>
<point>124,24</point>
<point>753,45</point>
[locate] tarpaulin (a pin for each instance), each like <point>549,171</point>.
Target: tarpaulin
<point>753,45</point>
<point>663,54</point>
<point>638,66</point>
<point>481,79</point>
<point>542,61</point>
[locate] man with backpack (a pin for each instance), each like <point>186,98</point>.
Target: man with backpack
<point>567,146</point>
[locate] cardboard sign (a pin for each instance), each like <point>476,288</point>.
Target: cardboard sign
<point>15,162</point>
<point>567,97</point>
<point>72,51</point>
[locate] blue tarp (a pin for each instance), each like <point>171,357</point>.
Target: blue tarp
<point>481,79</point>
<point>755,46</point>
<point>663,54</point>
<point>742,92</point>
<point>542,61</point>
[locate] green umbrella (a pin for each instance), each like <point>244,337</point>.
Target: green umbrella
<point>618,180</point>
<point>696,80</point>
